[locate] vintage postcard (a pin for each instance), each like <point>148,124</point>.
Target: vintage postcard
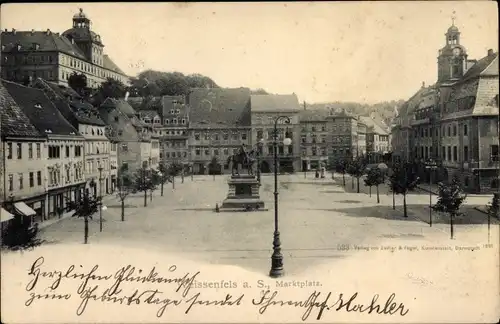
<point>277,162</point>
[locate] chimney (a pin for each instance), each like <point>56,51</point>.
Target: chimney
<point>423,84</point>
<point>5,29</point>
<point>13,31</point>
<point>304,105</point>
<point>48,31</point>
<point>32,32</point>
<point>490,52</point>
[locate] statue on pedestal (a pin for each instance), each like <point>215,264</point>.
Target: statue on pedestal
<point>243,158</point>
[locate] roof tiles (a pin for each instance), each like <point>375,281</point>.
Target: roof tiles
<point>14,121</point>
<point>40,110</point>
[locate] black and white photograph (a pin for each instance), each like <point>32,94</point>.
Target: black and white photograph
<point>250,162</point>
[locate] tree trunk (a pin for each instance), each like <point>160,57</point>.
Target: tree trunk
<point>357,181</point>
<point>405,212</point>
<point>370,190</point>
<point>151,195</point>
<point>162,187</point>
<point>123,210</point>
<point>393,201</point>
<point>451,224</point>
<point>352,182</point>
<point>86,230</point>
<point>145,198</point>
<point>343,179</point>
<point>173,182</point>
<point>378,196</point>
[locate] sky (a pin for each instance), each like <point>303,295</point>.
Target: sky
<point>365,52</point>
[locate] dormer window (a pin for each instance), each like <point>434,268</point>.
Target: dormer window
<point>18,47</point>
<point>36,46</point>
<point>174,121</point>
<point>38,106</point>
<point>177,111</point>
<point>183,121</point>
<point>167,121</point>
<point>171,111</point>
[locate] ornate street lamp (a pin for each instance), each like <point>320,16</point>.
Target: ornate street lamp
<point>277,257</point>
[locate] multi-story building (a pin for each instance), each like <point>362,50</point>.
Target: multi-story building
<point>314,138</point>
<point>24,189</point>
<point>84,117</point>
<point>401,131</point>
<point>174,131</point>
<point>122,129</point>
<point>54,56</point>
<point>455,121</point>
<point>377,139</point>
<point>362,134</point>
<point>64,176</point>
<point>343,134</point>
<point>153,119</point>
<point>265,110</point>
<point>219,123</point>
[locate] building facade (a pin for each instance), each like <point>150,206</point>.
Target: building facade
<point>64,175</point>
<point>23,162</point>
<point>54,56</point>
<point>265,110</point>
<point>219,123</point>
<point>123,130</point>
<point>314,138</point>
<point>343,135</point>
<point>455,121</point>
<point>174,133</point>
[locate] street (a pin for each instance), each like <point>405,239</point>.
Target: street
<point>332,240</point>
<point>317,217</point>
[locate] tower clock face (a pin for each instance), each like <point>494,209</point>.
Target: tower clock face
<point>457,51</point>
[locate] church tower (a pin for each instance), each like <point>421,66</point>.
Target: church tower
<point>88,41</point>
<point>452,57</point>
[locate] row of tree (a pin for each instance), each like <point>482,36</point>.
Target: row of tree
<point>402,179</point>
<point>147,84</point>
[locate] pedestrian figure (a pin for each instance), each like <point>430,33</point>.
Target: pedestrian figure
<point>316,175</point>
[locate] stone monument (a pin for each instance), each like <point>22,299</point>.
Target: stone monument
<point>243,188</point>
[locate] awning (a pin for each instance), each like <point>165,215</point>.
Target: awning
<point>5,215</point>
<point>24,209</point>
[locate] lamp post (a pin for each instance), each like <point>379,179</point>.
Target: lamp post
<point>260,144</point>
<point>430,165</point>
<point>100,196</point>
<point>277,257</point>
<point>162,174</point>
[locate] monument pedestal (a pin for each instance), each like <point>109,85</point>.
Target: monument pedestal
<point>243,194</point>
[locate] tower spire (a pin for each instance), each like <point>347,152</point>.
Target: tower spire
<point>453,17</point>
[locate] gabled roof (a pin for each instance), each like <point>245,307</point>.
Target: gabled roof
<point>275,103</point>
<point>148,114</point>
<point>313,115</point>
<point>46,40</point>
<point>219,107</point>
<point>482,66</point>
<point>40,110</point>
<point>172,103</point>
<point>372,125</point>
<point>69,102</point>
<point>119,126</point>
<point>121,105</point>
<point>108,63</point>
<point>14,121</point>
